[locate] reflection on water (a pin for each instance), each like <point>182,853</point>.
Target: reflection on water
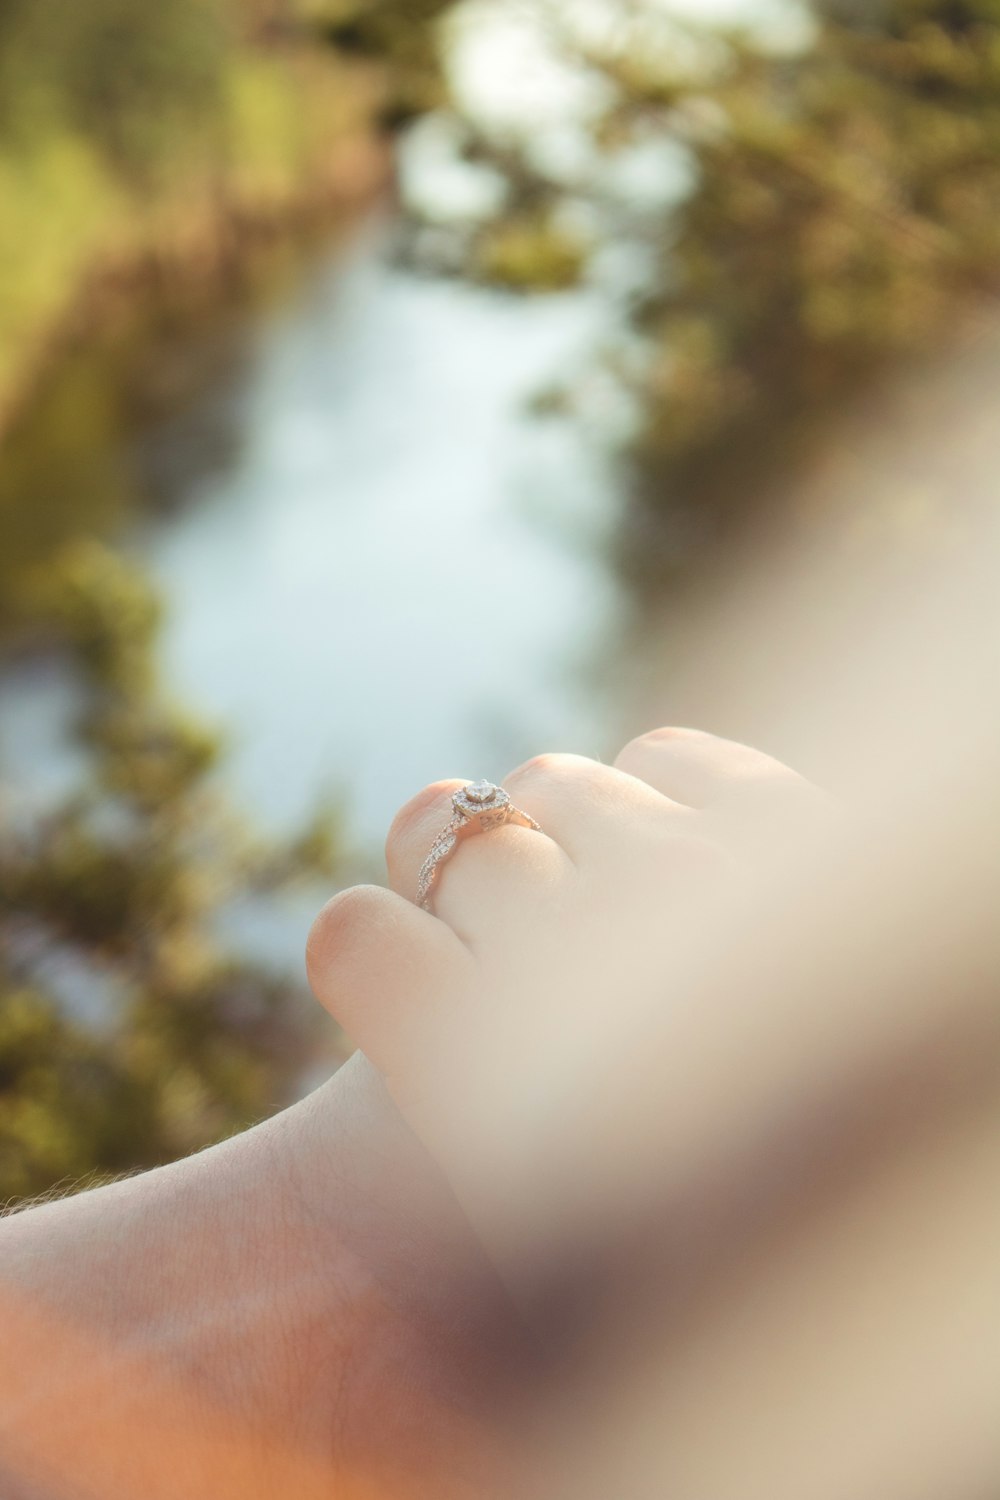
<point>398,574</point>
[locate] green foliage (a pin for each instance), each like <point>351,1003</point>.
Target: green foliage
<point>529,253</point>
<point>847,216</point>
<point>132,139</point>
<point>399,34</point>
<point>139,133</point>
<point>127,79</point>
<point>844,220</point>
<point>115,894</point>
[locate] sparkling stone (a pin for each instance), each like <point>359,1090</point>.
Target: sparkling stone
<point>481,791</point>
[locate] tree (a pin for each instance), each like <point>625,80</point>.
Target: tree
<point>843,222</point>
<point>130,1033</point>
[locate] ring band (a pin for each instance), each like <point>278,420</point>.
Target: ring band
<point>477,808</point>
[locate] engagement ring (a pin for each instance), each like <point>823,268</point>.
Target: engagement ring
<point>478,807</point>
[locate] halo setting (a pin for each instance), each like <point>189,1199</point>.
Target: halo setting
<point>479,797</point>
<point>477,807</point>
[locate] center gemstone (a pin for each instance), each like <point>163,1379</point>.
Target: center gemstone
<point>480,791</point>
<point>481,803</point>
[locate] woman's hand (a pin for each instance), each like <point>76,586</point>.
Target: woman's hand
<point>544,1031</point>
<point>712,1070</point>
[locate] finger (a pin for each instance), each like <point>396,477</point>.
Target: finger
<point>413,831</point>
<point>390,974</point>
<point>584,804</point>
<point>485,869</point>
<point>701,770</point>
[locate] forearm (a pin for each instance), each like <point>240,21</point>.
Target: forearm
<point>142,1321</point>
<point>240,1323</point>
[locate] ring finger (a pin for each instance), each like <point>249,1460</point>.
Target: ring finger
<point>490,868</point>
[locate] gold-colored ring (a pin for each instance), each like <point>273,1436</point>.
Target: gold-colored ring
<point>477,807</point>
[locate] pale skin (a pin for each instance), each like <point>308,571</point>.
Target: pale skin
<point>333,1305</point>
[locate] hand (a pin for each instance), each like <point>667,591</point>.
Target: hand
<point>723,1063</point>
<point>536,1030</point>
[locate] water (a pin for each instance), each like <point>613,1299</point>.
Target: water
<point>400,573</point>
<point>378,566</point>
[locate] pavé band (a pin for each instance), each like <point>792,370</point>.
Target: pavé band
<point>478,807</point>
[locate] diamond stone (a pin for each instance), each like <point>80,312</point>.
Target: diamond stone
<point>480,791</point>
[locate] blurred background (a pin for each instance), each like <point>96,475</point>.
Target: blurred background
<point>385,386</point>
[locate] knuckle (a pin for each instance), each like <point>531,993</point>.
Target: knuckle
<point>656,739</point>
<point>552,763</point>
